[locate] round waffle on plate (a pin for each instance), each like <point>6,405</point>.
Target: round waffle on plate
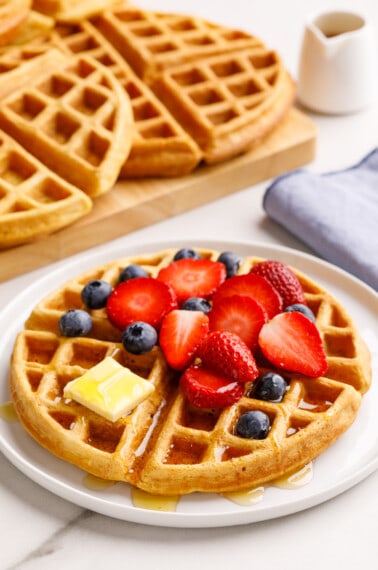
<point>166,445</point>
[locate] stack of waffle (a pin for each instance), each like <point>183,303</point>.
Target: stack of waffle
<point>96,90</point>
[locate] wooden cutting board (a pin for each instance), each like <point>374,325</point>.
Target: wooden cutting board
<point>134,204</point>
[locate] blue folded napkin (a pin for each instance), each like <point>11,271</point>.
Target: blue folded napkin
<point>335,214</point>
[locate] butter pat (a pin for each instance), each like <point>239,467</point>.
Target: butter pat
<point>109,389</point>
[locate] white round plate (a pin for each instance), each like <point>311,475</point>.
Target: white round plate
<point>352,458</point>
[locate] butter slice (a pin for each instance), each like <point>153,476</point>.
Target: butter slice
<point>109,389</point>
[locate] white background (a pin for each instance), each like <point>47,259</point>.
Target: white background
<point>41,531</point>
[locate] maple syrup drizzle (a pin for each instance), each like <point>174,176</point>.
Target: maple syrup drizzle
<point>144,500</point>
<point>8,412</point>
<point>142,447</point>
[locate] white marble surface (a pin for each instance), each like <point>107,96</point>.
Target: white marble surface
<point>41,531</point>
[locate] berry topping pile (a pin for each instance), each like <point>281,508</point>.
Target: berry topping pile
<point>214,326</point>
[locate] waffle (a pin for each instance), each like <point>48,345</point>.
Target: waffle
<point>75,118</point>
<point>72,10</point>
<point>165,446</point>
<point>160,146</point>
<point>13,15</point>
<point>223,86</point>
<point>228,102</point>
<point>18,65</point>
<point>33,200</point>
<point>152,42</point>
<point>34,26</point>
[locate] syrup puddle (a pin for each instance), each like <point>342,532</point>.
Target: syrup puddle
<point>253,496</point>
<point>144,500</point>
<point>246,498</point>
<point>96,483</point>
<point>8,412</point>
<point>295,480</point>
<point>139,498</point>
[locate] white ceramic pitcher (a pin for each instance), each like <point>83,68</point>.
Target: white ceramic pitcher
<point>338,67</point>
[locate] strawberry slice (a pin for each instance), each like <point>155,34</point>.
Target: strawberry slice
<point>254,286</point>
<point>240,315</point>
<point>180,335</point>
<point>226,353</point>
<point>140,299</point>
<point>190,277</point>
<point>292,342</point>
<point>204,388</point>
<point>283,280</point>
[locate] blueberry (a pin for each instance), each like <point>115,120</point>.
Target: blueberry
<point>253,425</point>
<point>301,309</point>
<point>75,322</point>
<point>270,387</point>
<point>196,304</point>
<point>95,294</point>
<point>231,262</point>
<point>186,253</point>
<point>139,337</point>
<point>131,272</point>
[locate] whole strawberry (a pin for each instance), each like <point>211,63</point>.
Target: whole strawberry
<point>283,280</point>
<point>226,353</point>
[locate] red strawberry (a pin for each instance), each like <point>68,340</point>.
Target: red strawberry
<point>140,299</point>
<point>181,333</point>
<point>283,280</point>
<point>240,315</point>
<point>190,277</point>
<point>292,342</point>
<point>206,389</point>
<point>253,286</point>
<point>226,353</point>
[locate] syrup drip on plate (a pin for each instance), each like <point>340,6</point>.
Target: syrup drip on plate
<point>97,483</point>
<point>139,498</point>
<point>246,498</point>
<point>255,495</point>
<point>295,480</point>
<point>144,500</point>
<point>8,412</point>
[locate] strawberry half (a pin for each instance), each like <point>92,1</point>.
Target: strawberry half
<point>240,315</point>
<point>283,280</point>
<point>181,333</point>
<point>254,286</point>
<point>190,277</point>
<point>226,353</point>
<point>290,341</point>
<point>204,388</point>
<point>140,299</point>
